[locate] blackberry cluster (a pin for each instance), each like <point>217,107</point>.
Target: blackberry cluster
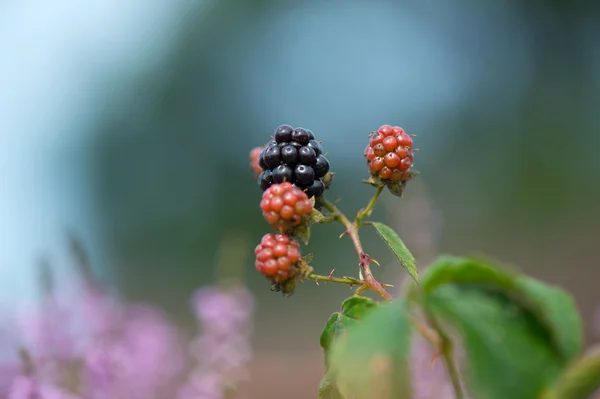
<point>390,154</point>
<point>294,156</point>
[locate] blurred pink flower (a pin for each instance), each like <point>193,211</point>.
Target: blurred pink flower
<point>45,331</point>
<point>24,387</point>
<point>137,357</point>
<point>223,348</point>
<point>429,378</point>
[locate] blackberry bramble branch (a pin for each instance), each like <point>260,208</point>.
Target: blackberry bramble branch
<point>294,174</point>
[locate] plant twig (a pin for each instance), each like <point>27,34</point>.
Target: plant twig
<point>352,231</point>
<point>366,212</point>
<point>446,349</point>
<point>341,280</point>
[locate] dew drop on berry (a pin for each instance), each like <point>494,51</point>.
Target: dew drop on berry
<point>300,135</point>
<point>316,147</point>
<point>283,133</point>
<point>286,212</point>
<point>305,175</point>
<point>321,166</point>
<point>391,160</point>
<point>376,165</point>
<point>390,143</point>
<point>315,190</point>
<point>307,155</point>
<point>272,156</point>
<point>282,173</point>
<point>289,155</point>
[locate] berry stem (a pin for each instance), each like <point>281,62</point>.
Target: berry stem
<point>352,231</point>
<point>365,213</point>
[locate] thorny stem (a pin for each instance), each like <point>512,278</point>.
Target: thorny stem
<point>352,232</point>
<point>341,280</point>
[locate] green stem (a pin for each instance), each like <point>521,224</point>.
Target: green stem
<point>445,347</point>
<point>331,279</point>
<point>365,213</point>
<point>352,231</point>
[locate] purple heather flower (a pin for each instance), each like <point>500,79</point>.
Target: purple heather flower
<point>45,332</point>
<point>223,349</point>
<point>137,360</point>
<point>429,377</point>
<point>222,310</point>
<point>25,387</point>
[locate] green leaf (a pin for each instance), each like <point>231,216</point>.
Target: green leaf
<point>510,325</point>
<point>327,388</point>
<point>554,308</point>
<point>452,270</point>
<point>353,310</point>
<point>370,360</point>
<point>397,246</point>
<point>508,352</point>
<point>303,233</point>
<point>318,217</point>
<point>580,380</point>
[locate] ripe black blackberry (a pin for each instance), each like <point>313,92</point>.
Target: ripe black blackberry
<point>293,156</point>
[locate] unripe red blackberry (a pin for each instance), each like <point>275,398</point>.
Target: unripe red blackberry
<point>389,154</point>
<point>277,258</point>
<point>285,207</point>
<point>254,165</point>
<point>293,156</point>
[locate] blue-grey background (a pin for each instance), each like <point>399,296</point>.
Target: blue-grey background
<point>130,123</point>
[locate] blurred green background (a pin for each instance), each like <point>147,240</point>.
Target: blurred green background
<point>142,144</point>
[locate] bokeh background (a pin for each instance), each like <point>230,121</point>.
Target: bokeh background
<point>130,123</point>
